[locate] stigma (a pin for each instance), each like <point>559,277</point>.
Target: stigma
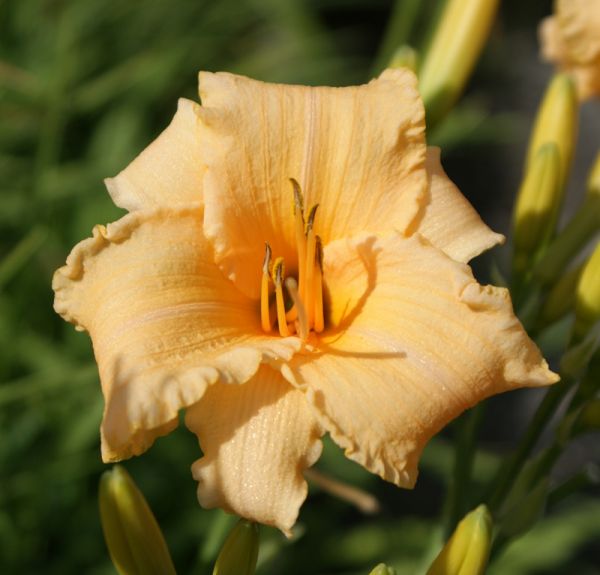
<point>295,306</point>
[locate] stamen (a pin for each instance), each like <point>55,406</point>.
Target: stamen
<point>292,287</point>
<point>308,294</point>
<point>319,319</point>
<point>278,279</point>
<point>265,317</point>
<point>299,226</point>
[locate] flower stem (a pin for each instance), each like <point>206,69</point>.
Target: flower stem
<point>403,16</point>
<point>505,478</point>
<point>464,455</point>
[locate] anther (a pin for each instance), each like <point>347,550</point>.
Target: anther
<point>319,319</point>
<point>265,318</point>
<point>280,306</point>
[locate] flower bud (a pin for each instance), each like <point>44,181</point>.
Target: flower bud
<point>134,539</point>
<point>537,206</point>
<point>576,360</point>
<point>580,229</point>
<point>404,57</point>
<point>382,569</point>
<point>593,183</point>
<point>587,295</point>
<point>467,551</point>
<point>556,123</point>
<point>239,553</point>
<point>458,41</point>
<point>561,298</point>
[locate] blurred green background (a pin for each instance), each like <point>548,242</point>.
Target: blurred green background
<point>87,84</point>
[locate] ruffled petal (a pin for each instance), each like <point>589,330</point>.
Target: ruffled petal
<point>579,22</point>
<point>449,221</point>
<point>169,171</point>
<point>571,40</point>
<point>164,321</point>
<point>413,340</point>
<point>257,438</point>
<point>359,152</point>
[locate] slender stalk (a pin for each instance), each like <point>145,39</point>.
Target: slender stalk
<point>505,478</point>
<point>464,455</point>
<point>402,19</point>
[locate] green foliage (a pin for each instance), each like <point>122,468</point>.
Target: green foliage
<point>84,87</point>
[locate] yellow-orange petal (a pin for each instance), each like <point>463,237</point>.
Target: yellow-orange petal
<point>571,40</point>
<point>412,341</point>
<point>169,171</point>
<point>358,152</point>
<point>448,220</point>
<point>579,22</point>
<point>257,438</point>
<point>164,321</point>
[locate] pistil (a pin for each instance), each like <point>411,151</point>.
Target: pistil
<point>308,294</point>
<point>318,291</point>
<point>292,286</point>
<point>279,302</point>
<point>265,318</point>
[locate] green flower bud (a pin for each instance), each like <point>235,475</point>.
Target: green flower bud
<point>134,539</point>
<point>239,553</point>
<point>537,206</point>
<point>593,183</point>
<point>404,57</point>
<point>557,122</point>
<point>467,551</point>
<point>561,298</point>
<point>587,295</point>
<point>458,41</point>
<point>580,229</point>
<point>382,569</point>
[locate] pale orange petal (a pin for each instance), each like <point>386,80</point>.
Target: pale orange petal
<point>164,321</point>
<point>413,340</point>
<point>571,40</point>
<point>169,171</point>
<point>579,22</point>
<point>552,45</point>
<point>449,221</point>
<point>359,152</point>
<point>257,438</point>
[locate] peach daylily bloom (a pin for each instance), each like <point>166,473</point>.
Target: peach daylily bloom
<point>571,40</point>
<point>390,336</point>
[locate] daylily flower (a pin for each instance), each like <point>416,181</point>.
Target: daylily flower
<point>571,39</point>
<point>359,318</point>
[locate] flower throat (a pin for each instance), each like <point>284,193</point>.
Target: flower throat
<point>305,294</point>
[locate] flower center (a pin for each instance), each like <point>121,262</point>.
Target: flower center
<point>305,295</point>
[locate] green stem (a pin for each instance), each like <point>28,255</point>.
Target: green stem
<point>458,491</point>
<point>590,476</point>
<point>505,478</point>
<point>402,19</point>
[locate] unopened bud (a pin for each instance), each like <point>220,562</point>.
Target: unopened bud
<point>556,123</point>
<point>589,418</point>
<point>537,206</point>
<point>404,57</point>
<point>458,41</point>
<point>239,553</point>
<point>593,183</point>
<point>467,551</point>
<point>561,298</point>
<point>587,295</point>
<point>576,234</point>
<point>134,539</point>
<point>382,569</point>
